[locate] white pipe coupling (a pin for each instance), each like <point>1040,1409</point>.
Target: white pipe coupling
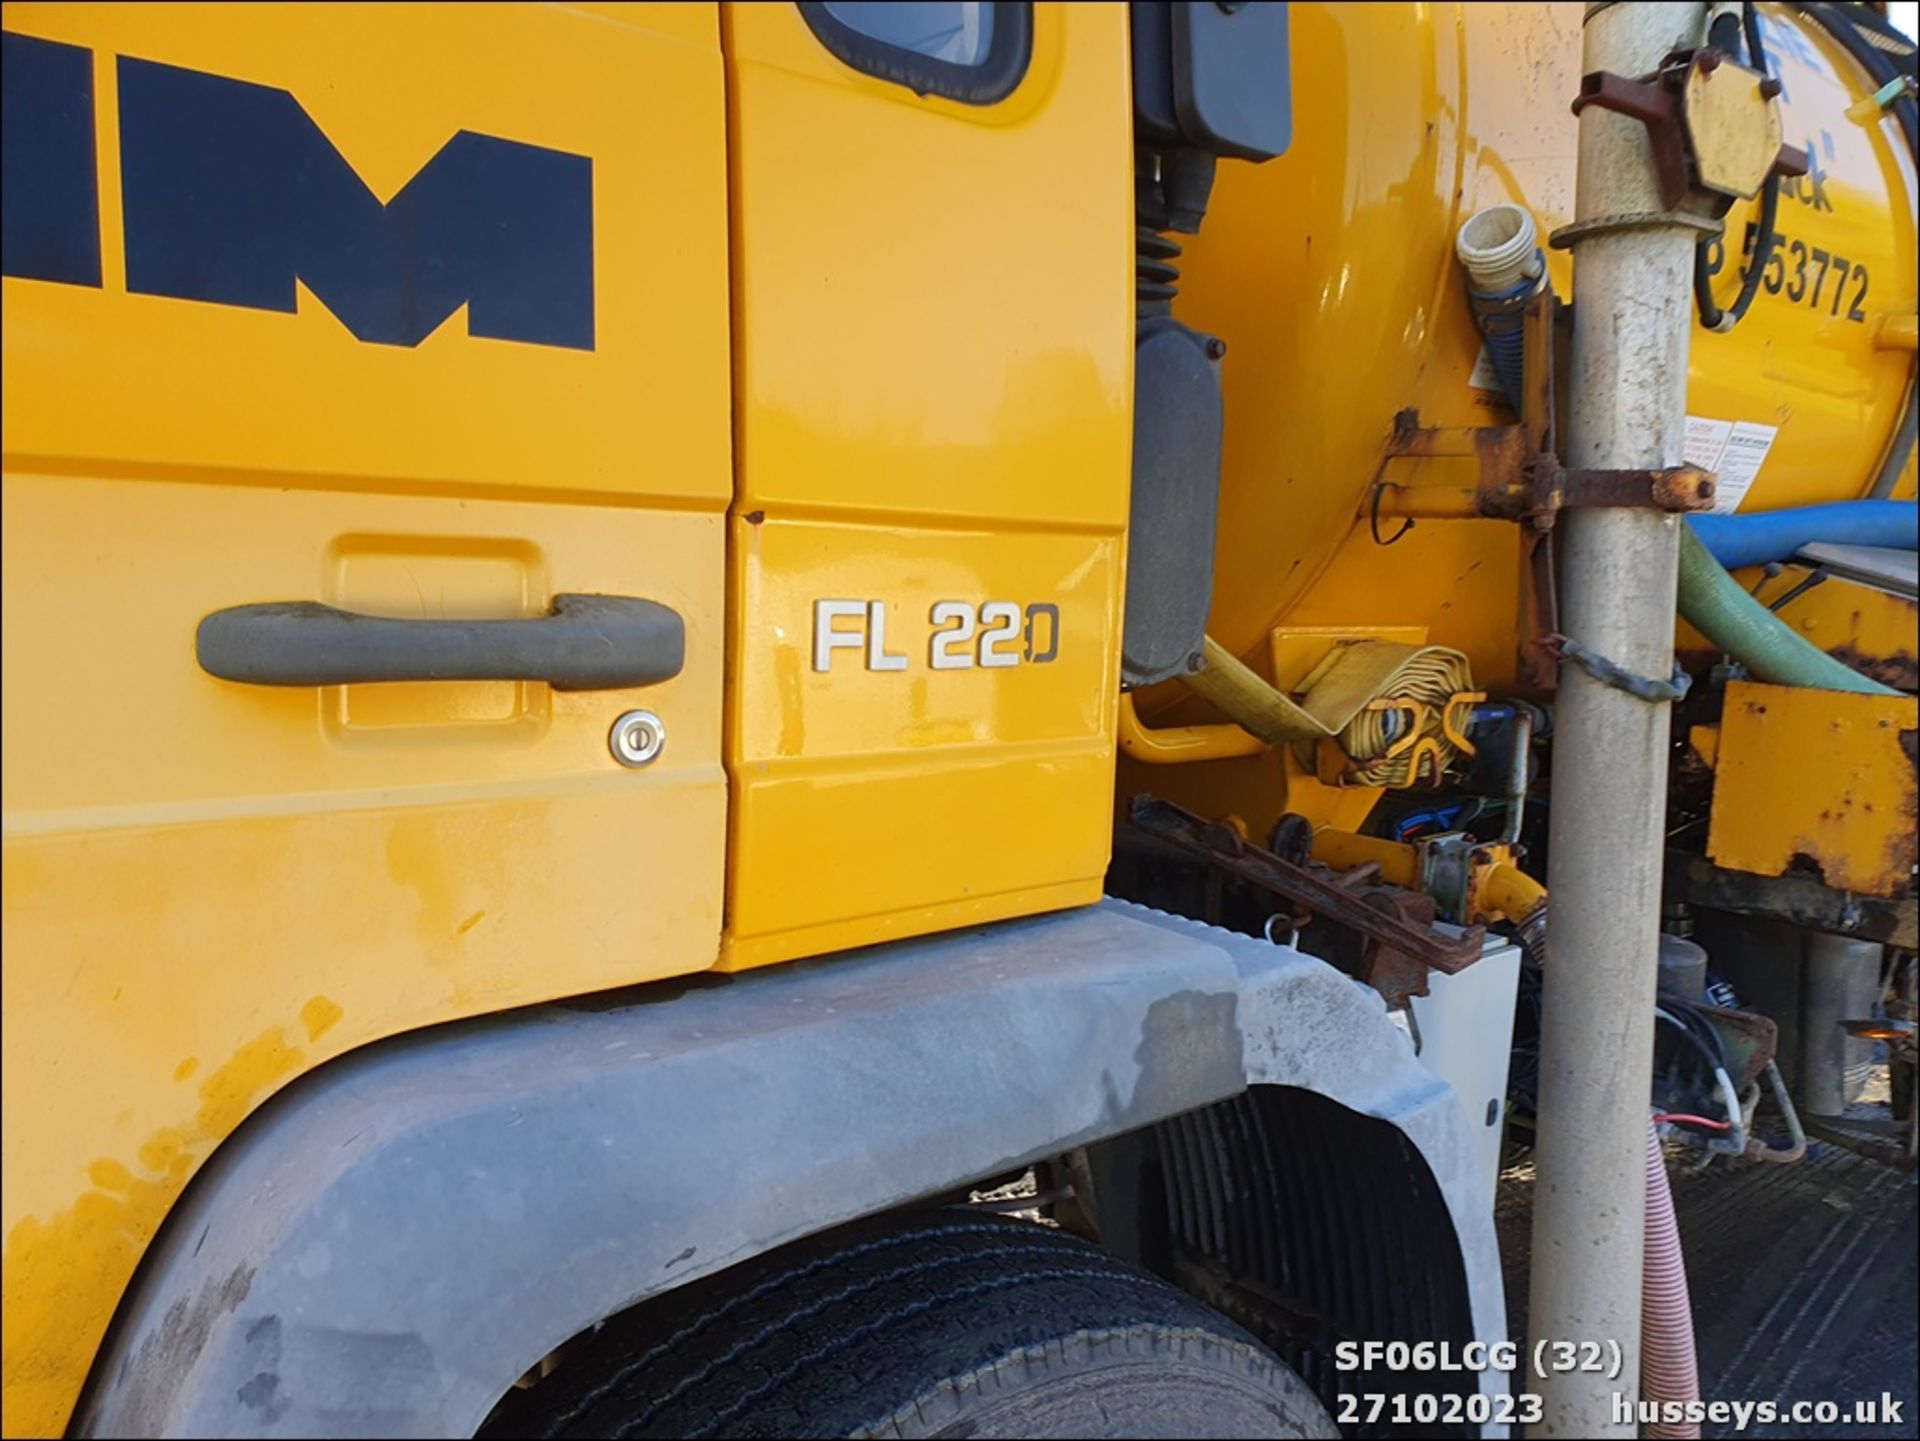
<point>1499,248</point>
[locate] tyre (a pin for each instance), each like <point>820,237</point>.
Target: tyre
<point>936,1323</point>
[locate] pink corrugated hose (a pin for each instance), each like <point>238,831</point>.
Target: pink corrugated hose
<point>1669,1370</point>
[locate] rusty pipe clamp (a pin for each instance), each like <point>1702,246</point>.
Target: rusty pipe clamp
<point>1677,489</point>
<point>1696,109</point>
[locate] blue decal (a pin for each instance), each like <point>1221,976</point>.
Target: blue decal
<point>232,192</point>
<point>49,198</point>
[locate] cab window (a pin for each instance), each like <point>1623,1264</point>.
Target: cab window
<point>972,51</point>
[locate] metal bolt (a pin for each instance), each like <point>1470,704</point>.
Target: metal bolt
<point>1216,347</point>
<point>637,738</point>
<point>1196,662</point>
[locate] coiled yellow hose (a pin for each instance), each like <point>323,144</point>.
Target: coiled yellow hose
<point>1408,736</point>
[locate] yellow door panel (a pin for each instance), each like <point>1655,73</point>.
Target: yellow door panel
<point>933,411</point>
<point>213,886</point>
<point>637,416</point>
<point>959,789</point>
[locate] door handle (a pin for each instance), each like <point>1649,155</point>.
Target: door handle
<point>590,642</point>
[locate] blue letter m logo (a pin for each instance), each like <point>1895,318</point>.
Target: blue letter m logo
<point>232,193</point>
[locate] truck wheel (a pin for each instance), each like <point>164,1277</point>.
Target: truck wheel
<point>940,1323</point>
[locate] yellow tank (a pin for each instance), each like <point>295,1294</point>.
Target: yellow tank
<point>1330,272</point>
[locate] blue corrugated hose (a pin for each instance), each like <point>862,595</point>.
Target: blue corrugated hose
<point>1737,540</point>
<point>1502,322</point>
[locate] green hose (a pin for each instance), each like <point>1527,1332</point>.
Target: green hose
<point>1771,650</point>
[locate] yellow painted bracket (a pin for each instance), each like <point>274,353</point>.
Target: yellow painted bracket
<point>1497,889</point>
<point>1176,745</point>
<point>1704,742</point>
<point>1344,850</point>
<point>1457,703</point>
<point>1818,783</point>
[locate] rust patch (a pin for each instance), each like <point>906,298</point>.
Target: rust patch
<point>1805,863</point>
<point>1901,669</point>
<point>1903,851</point>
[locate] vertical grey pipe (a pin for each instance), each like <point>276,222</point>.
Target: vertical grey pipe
<point>1633,312</point>
<point>1842,981</point>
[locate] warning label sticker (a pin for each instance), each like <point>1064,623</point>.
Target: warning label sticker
<point>1733,449</point>
<point>1484,376</point>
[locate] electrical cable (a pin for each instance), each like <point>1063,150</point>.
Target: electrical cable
<point>1750,27</point>
<point>1683,1118</point>
<point>1714,1056</point>
<point>1691,1017</point>
<point>1687,1033</point>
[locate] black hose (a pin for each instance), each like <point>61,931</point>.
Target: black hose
<point>1894,464</point>
<point>1846,25</point>
<point>1701,1031</point>
<point>1712,1055</point>
<point>1750,24</point>
<point>1711,315</point>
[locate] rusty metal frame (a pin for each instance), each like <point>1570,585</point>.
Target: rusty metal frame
<point>1521,479</point>
<point>1658,102</point>
<point>1400,943</point>
<point>1800,900</point>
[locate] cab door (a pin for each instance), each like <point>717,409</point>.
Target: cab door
<point>411,313</point>
<point>933,259</point>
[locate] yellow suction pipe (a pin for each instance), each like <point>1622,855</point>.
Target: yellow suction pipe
<point>1500,891</point>
<point>1508,892</point>
<point>1261,716</point>
<point>1343,850</point>
<point>1173,745</point>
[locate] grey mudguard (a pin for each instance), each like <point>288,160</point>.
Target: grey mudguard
<point>387,1244</point>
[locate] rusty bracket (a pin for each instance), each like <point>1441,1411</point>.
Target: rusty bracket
<point>1539,617</point>
<point>1396,947</point>
<point>1654,106</point>
<point>1680,489</point>
<point>1521,479</point>
<point>1539,604</point>
<point>1658,103</point>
